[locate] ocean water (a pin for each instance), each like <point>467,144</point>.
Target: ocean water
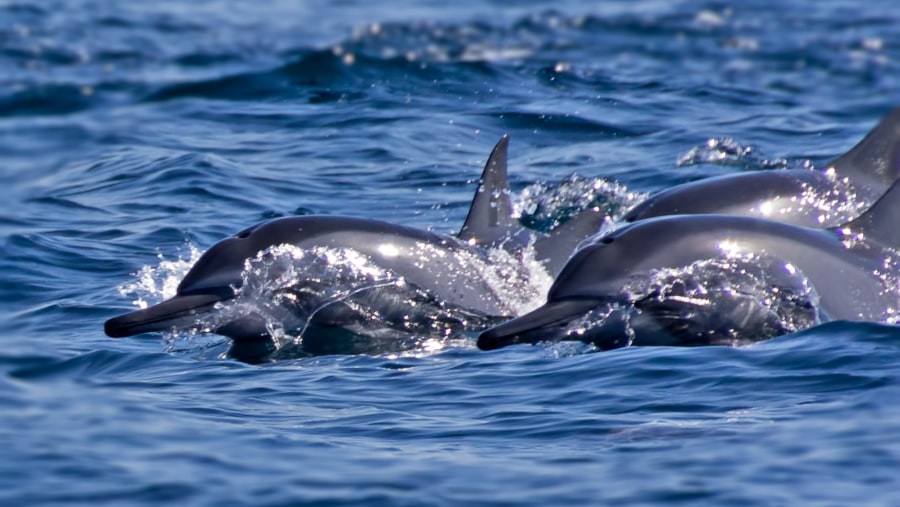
<point>134,135</point>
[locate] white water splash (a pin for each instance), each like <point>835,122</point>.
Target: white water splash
<point>733,300</point>
<point>547,205</point>
<point>153,284</point>
<point>727,151</point>
<point>778,295</point>
<point>518,279</point>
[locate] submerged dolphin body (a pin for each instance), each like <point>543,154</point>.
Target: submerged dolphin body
<point>854,180</point>
<point>404,277</point>
<point>600,297</point>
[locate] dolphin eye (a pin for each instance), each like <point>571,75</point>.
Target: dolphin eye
<point>605,240</point>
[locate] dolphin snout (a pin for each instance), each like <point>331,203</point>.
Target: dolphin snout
<point>547,323</point>
<point>172,313</point>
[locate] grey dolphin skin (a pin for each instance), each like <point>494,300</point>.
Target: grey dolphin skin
<point>862,175</point>
<point>446,268</point>
<point>422,257</point>
<point>842,264</point>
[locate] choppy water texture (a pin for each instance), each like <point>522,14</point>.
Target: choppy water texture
<point>135,134</point>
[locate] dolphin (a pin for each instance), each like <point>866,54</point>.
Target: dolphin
<point>851,271</point>
<point>822,199</point>
<point>420,277</point>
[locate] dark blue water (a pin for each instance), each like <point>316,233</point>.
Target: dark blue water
<point>135,134</point>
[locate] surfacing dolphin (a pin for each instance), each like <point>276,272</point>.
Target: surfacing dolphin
<point>822,199</point>
<point>366,280</point>
<point>658,281</point>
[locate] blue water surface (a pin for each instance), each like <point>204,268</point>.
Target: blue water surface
<point>135,133</point>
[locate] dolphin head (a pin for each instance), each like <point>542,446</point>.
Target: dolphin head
<point>590,285</point>
<point>219,269</point>
<point>214,278</point>
<point>600,295</point>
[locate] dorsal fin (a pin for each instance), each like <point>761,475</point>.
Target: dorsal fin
<point>875,161</point>
<point>555,249</point>
<point>490,216</point>
<point>880,222</point>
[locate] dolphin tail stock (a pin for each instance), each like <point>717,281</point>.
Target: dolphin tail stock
<point>177,311</point>
<point>490,217</point>
<point>879,222</point>
<point>555,249</point>
<point>874,161</point>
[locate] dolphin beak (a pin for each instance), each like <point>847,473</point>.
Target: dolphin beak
<point>173,312</point>
<point>547,323</point>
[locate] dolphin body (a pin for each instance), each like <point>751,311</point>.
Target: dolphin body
<point>860,176</point>
<point>852,268</point>
<point>428,274</point>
